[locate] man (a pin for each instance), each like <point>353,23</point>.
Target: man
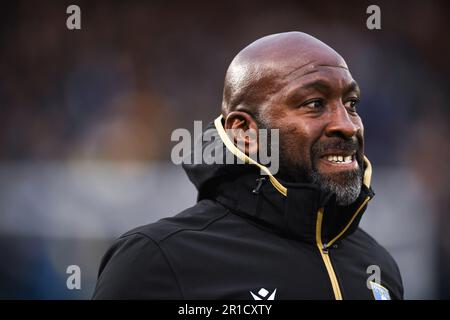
<point>292,235</point>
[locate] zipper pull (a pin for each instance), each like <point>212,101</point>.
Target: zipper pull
<point>325,248</point>
<point>258,186</point>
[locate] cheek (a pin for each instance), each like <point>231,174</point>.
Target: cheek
<point>296,140</point>
<point>358,122</point>
<point>360,135</point>
<point>297,134</point>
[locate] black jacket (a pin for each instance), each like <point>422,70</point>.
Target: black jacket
<point>244,239</point>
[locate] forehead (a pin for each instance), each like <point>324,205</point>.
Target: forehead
<point>333,76</point>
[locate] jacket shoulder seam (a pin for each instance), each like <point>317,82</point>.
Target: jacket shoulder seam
<point>209,223</point>
<point>177,282</point>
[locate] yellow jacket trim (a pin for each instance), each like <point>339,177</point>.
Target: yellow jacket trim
<point>349,223</point>
<point>325,257</point>
<point>241,155</point>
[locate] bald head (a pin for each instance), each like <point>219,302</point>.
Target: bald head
<point>264,66</point>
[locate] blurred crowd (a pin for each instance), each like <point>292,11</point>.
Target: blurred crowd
<point>137,70</point>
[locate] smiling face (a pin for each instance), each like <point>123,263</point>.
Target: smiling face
<point>321,134</point>
<point>310,96</point>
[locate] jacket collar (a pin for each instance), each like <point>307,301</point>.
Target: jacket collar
<point>294,215</point>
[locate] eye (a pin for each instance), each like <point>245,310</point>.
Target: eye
<point>352,104</point>
<point>313,104</point>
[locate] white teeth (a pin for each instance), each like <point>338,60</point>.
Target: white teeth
<point>340,159</point>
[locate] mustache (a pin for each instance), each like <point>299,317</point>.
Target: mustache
<point>320,147</point>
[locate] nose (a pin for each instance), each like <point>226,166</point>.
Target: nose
<point>341,124</point>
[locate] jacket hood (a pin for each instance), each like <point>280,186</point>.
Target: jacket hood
<point>290,209</point>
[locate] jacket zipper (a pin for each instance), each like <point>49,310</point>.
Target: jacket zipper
<point>323,247</point>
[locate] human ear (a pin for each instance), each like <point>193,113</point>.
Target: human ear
<point>243,131</point>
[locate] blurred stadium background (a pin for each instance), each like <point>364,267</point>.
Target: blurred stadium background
<point>86,118</point>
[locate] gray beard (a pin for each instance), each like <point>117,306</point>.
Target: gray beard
<point>345,193</point>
